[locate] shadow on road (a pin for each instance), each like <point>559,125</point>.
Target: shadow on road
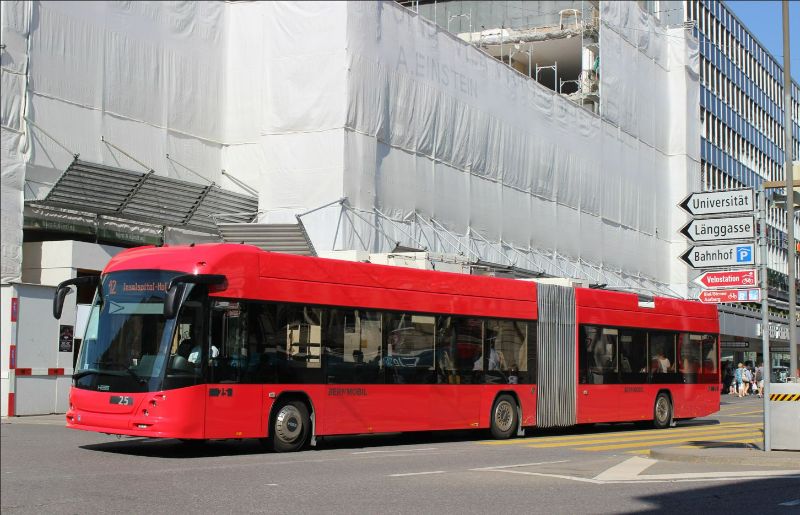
<point>772,495</point>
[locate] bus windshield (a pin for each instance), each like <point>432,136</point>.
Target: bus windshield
<point>127,340</point>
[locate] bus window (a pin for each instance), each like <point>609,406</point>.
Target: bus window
<point>300,344</point>
<point>228,348</point>
<point>185,365</point>
<point>409,350</point>
<point>459,354</point>
<point>352,347</point>
<point>632,356</point>
<point>690,357</point>
<point>506,350</point>
<point>709,355</point>
<point>599,355</point>
<point>661,351</point>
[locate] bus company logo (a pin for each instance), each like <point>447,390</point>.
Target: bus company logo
<point>343,392</point>
<point>112,287</point>
<point>103,387</point>
<point>634,389</point>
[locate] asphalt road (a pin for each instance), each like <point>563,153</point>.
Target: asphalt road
<point>47,468</point>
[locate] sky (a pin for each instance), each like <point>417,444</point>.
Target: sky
<point>764,19</point>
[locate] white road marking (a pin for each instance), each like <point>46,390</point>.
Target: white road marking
<point>630,471</point>
<point>520,465</point>
<point>796,502</point>
<point>417,473</point>
<point>557,476</point>
<point>396,451</point>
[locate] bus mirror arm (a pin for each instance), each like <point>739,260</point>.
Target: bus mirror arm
<point>62,290</point>
<point>176,287</point>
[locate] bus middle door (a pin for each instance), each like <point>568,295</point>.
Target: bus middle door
<point>233,405</point>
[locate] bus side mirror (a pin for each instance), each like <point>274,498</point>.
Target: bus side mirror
<point>178,285</point>
<point>62,290</point>
<point>58,301</point>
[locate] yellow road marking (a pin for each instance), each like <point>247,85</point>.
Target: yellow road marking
<point>655,443</point>
<point>761,411</point>
<point>610,434</point>
<point>651,435</point>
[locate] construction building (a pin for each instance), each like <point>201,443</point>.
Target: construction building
<point>363,130</point>
<point>558,44</point>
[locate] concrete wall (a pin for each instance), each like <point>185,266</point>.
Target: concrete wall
<point>41,375</point>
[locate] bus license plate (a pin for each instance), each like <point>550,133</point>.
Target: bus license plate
<point>122,400</point>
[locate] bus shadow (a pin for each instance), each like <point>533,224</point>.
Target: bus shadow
<point>177,449</point>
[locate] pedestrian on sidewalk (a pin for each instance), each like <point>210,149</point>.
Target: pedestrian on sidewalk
<point>759,379</point>
<point>747,379</point>
<point>739,380</point>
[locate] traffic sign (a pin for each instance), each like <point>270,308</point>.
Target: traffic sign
<point>719,202</point>
<point>717,296</point>
<point>712,256</point>
<point>720,229</point>
<point>728,279</point>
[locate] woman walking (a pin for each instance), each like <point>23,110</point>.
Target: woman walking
<point>739,378</point>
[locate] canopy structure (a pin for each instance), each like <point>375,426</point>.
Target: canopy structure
<point>146,197</point>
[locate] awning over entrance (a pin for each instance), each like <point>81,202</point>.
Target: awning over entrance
<point>146,197</point>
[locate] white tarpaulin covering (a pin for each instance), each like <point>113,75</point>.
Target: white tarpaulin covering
<point>309,102</point>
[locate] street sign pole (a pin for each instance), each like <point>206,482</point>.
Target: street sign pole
<point>766,365</point>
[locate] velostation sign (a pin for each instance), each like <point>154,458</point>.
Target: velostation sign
<point>729,279</point>
<point>722,242</point>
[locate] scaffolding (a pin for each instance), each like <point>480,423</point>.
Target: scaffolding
<point>581,71</point>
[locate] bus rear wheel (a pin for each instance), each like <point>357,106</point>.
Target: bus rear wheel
<point>504,417</point>
<point>290,426</point>
<point>662,411</point>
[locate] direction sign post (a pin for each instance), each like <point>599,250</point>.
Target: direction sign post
<point>716,256</point>
<point>718,296</point>
<point>719,202</point>
<point>720,229</point>
<point>729,279</point>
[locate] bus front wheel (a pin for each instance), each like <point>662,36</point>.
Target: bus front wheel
<point>662,411</point>
<point>504,417</point>
<point>290,426</point>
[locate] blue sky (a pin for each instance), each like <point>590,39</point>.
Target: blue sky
<point>763,18</point>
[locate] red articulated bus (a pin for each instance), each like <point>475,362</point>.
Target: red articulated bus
<point>228,341</point>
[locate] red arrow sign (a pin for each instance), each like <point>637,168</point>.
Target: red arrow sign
<point>731,279</point>
<point>717,296</point>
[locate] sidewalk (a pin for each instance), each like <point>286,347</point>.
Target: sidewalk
<point>56,418</point>
<point>731,454</point>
